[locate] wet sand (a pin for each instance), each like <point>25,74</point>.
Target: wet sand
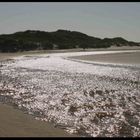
<point>120,58</point>
<point>14,123</point>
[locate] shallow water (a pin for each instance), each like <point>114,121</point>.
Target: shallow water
<point>85,98</point>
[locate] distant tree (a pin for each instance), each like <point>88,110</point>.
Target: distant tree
<point>65,39</point>
<point>47,46</point>
<point>9,45</point>
<point>84,45</point>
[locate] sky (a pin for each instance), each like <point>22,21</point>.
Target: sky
<point>98,19</point>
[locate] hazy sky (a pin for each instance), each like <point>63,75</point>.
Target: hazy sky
<point>102,19</point>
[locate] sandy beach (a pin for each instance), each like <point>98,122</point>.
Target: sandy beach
<point>15,123</point>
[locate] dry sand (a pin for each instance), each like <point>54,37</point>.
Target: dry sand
<point>4,56</point>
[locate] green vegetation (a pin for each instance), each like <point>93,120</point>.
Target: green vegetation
<point>60,39</point>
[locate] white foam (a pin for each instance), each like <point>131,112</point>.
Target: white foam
<point>60,89</point>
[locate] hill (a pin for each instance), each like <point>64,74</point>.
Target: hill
<point>60,39</point>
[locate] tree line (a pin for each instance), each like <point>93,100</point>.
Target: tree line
<point>60,39</point>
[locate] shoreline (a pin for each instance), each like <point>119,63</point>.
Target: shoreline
<point>4,56</point>
<point>15,123</point>
<point>117,58</point>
